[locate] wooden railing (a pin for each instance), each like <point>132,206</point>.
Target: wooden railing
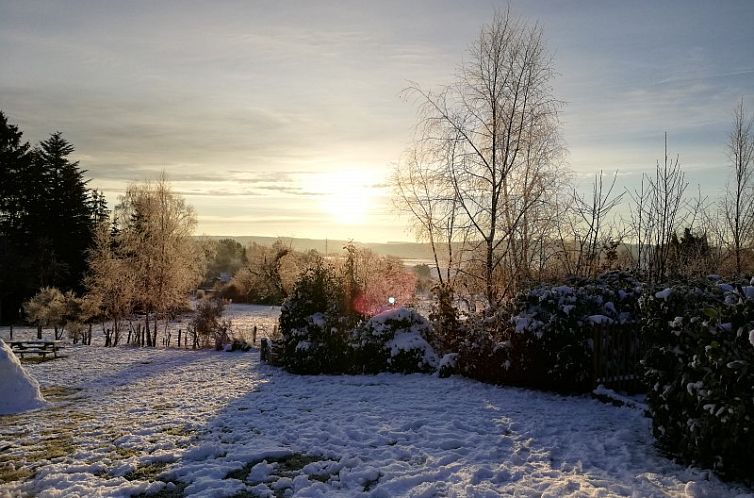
<point>616,357</point>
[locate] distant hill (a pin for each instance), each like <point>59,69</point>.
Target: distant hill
<point>404,250</point>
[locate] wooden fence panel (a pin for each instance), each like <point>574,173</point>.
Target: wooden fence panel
<point>616,357</point>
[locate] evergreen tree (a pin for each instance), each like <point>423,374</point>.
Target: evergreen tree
<point>47,217</point>
<point>67,215</point>
<point>15,162</point>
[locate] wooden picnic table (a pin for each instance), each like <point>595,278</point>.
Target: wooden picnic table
<point>42,348</point>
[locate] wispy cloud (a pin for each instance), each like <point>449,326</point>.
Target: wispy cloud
<point>251,101</point>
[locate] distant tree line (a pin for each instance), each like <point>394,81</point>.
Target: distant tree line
<point>268,274</point>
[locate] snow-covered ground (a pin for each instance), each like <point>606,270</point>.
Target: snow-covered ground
<point>125,421</point>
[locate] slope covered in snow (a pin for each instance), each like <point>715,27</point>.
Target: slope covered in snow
<point>18,390</point>
<point>185,423</point>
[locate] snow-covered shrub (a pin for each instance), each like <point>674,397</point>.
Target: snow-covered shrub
<point>448,365</point>
<point>544,337</point>
<point>315,321</point>
<point>445,320</point>
<point>482,353</point>
<point>393,341</point>
<point>700,372</point>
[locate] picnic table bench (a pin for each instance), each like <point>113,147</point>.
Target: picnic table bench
<point>42,348</point>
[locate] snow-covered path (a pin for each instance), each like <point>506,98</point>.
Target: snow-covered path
<point>185,423</point>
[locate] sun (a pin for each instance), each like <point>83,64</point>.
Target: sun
<point>345,195</point>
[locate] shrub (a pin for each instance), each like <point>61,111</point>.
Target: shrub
<point>700,372</point>
<point>444,316</point>
<point>209,327</point>
<point>544,337</point>
<point>315,322</point>
<point>394,341</point>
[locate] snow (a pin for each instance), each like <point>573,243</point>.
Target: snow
<point>450,360</point>
<point>637,401</point>
<point>127,421</point>
<point>318,320</point>
<point>599,320</point>
<point>663,294</point>
<point>726,287</point>
<point>18,390</point>
<point>412,340</point>
<point>386,321</point>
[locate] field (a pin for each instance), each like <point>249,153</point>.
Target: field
<point>244,318</point>
<point>167,422</point>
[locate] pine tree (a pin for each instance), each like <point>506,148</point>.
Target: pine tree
<point>47,217</point>
<point>15,162</point>
<point>68,215</point>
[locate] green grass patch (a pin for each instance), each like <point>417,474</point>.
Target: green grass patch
<point>126,452</point>
<point>289,466</point>
<point>10,473</point>
<point>53,446</point>
<point>148,472</point>
<point>180,430</point>
<point>58,392</point>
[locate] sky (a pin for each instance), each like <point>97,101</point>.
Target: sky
<point>286,118</point>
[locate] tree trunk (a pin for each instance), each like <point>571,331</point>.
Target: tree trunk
<point>147,329</point>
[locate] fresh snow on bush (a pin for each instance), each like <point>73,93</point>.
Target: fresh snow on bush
<point>224,425</point>
<point>408,330</point>
<point>663,294</point>
<point>18,390</point>
<point>395,340</point>
<point>698,368</point>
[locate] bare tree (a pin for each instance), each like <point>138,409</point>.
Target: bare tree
<point>501,121</point>
<point>657,214</point>
<point>156,237</point>
<point>110,281</point>
<point>423,189</point>
<point>584,236</point>
<point>738,204</point>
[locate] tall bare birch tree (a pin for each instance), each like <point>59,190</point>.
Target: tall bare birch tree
<point>738,204</point>
<point>502,118</point>
<point>423,190</point>
<point>657,215</point>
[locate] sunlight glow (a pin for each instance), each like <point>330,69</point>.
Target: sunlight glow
<point>345,195</point>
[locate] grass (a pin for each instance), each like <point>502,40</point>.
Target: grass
<point>58,392</point>
<point>148,472</point>
<point>54,446</point>
<point>51,447</point>
<point>9,472</point>
<point>126,452</point>
<point>289,466</point>
<point>181,430</point>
